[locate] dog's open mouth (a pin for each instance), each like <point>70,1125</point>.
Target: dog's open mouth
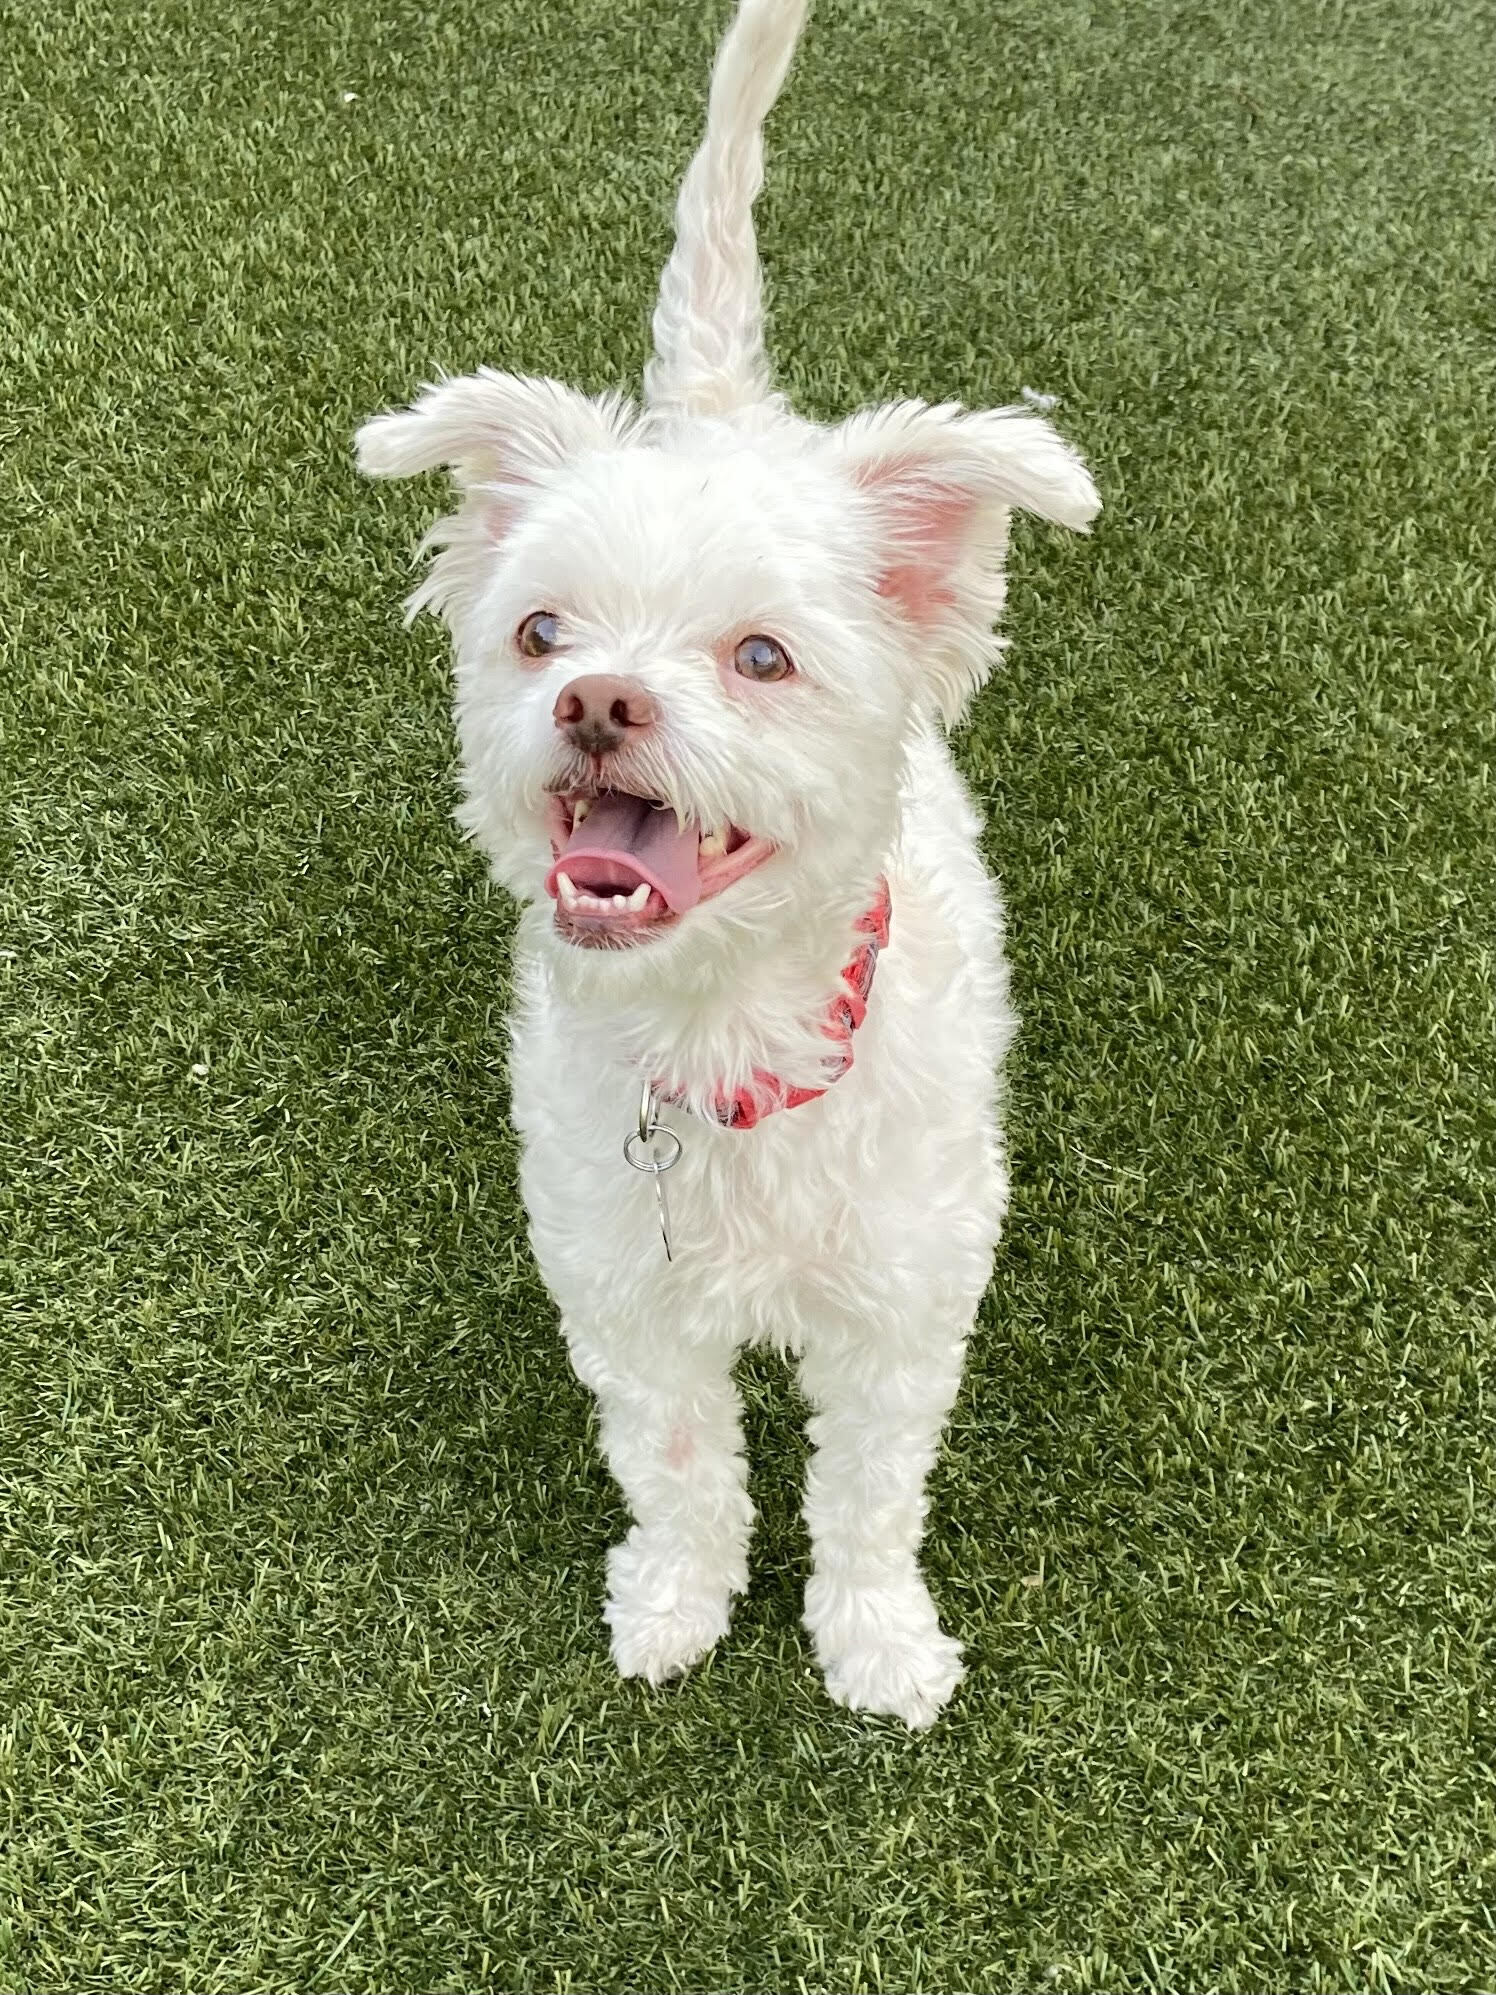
<point>626,867</point>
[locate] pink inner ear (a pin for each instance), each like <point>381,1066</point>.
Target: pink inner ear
<point>929,526</point>
<point>919,592</point>
<point>499,508</point>
<point>498,517</point>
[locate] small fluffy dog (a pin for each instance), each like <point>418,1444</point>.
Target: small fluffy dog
<point>705,655</point>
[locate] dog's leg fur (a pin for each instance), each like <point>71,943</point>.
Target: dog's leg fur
<point>877,1423</point>
<point>675,1448</point>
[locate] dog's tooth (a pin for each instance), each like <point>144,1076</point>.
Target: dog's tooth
<point>638,897</point>
<point>583,805</point>
<point>569,895</point>
<point>714,845</point>
<point>620,902</point>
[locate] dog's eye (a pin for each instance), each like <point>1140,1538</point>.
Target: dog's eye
<point>538,634</point>
<point>762,659</point>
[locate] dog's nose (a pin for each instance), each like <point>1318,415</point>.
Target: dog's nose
<point>599,712</point>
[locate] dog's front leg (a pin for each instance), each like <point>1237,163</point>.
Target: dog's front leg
<point>876,1425</point>
<point>671,1424</point>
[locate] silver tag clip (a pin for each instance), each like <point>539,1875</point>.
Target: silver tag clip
<point>653,1149</point>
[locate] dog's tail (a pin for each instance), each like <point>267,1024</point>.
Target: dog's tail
<point>708,325</point>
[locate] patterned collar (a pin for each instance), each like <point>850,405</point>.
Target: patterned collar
<point>747,1106</point>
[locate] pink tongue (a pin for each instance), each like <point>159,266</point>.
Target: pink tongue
<point>623,840</point>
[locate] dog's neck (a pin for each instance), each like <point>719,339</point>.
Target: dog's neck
<point>752,1006</point>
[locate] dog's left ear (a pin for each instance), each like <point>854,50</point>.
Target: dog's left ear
<point>940,483</point>
<point>494,432</point>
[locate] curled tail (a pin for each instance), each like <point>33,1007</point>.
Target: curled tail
<point>708,325</point>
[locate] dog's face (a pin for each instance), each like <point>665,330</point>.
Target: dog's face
<point>687,657</point>
<point>675,680</point>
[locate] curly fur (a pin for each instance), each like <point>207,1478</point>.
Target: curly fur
<point>856,1232</point>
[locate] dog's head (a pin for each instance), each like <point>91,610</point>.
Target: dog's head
<point>691,642</point>
<point>689,649</point>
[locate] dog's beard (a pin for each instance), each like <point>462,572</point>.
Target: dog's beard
<point>626,867</point>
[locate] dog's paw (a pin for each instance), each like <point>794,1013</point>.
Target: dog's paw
<point>663,1615</point>
<point>881,1648</point>
<point>897,1678</point>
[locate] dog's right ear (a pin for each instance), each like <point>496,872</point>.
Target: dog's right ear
<point>938,485</point>
<point>497,432</point>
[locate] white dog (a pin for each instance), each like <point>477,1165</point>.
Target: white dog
<point>705,652</point>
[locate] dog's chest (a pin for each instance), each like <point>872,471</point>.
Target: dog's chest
<point>787,1207</point>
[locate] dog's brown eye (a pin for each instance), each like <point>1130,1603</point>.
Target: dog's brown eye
<point>762,659</point>
<point>538,634</point>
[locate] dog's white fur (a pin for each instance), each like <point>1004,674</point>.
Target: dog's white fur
<point>857,1231</point>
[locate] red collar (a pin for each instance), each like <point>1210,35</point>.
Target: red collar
<point>747,1106</point>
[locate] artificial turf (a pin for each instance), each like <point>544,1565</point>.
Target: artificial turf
<point>304,1681</point>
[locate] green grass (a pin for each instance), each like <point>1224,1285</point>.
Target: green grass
<point>303,1683</point>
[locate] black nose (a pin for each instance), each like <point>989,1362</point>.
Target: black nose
<point>599,712</point>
